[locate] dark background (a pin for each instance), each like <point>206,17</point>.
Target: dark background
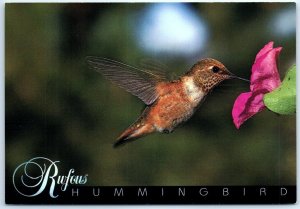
<point>58,108</point>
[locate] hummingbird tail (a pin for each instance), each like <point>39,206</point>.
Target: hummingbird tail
<point>134,132</point>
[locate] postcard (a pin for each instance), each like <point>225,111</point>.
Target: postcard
<point>150,103</point>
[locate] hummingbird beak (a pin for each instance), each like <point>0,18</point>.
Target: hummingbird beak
<point>243,79</point>
<point>232,76</point>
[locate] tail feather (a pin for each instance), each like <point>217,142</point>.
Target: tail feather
<point>119,143</point>
<point>134,132</point>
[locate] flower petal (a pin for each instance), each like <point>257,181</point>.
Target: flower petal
<point>245,106</point>
<point>264,70</point>
<point>264,50</point>
<point>264,78</point>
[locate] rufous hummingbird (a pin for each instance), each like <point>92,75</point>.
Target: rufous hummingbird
<point>169,102</point>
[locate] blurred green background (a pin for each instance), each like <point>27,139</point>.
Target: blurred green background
<point>58,108</point>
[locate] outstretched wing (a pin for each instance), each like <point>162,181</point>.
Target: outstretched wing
<point>141,83</point>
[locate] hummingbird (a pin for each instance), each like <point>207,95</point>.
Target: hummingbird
<point>169,103</point>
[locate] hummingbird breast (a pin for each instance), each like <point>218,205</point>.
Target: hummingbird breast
<point>177,102</point>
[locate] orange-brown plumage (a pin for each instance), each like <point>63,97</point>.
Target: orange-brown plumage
<point>169,103</point>
<point>172,105</point>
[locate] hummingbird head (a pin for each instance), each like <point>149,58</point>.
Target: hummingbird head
<point>209,72</point>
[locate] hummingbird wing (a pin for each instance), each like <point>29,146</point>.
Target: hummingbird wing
<point>139,82</point>
<point>154,66</point>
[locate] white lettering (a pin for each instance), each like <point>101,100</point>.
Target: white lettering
<point>119,193</point>
<point>262,190</point>
<point>283,191</point>
<point>203,192</point>
<point>96,194</point>
<point>181,192</point>
<point>142,193</point>
<point>35,175</point>
<point>225,192</point>
<point>75,192</point>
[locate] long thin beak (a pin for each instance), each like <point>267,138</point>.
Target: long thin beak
<point>243,79</point>
<point>236,77</point>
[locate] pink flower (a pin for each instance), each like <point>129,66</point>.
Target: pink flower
<point>264,78</point>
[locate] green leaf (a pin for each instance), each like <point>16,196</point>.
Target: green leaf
<point>283,99</point>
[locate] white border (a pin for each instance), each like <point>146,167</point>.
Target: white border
<point>2,113</point>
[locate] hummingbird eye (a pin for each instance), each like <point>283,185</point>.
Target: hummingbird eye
<point>215,69</point>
